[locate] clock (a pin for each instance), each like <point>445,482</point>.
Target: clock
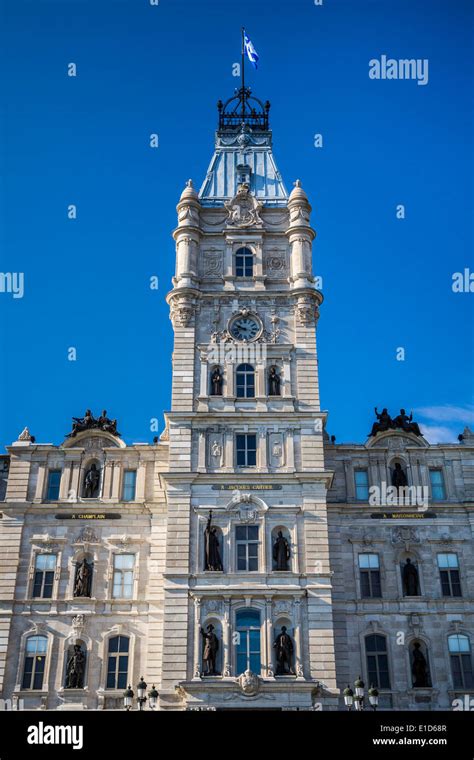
<point>245,327</point>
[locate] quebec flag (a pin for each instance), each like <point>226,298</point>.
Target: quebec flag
<point>251,52</point>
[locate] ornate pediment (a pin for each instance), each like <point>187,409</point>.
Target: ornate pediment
<point>244,209</point>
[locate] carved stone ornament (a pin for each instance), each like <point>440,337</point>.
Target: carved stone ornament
<point>87,536</point>
<point>244,209</point>
<point>249,683</point>
<point>405,535</point>
<point>211,606</point>
<point>78,623</point>
<point>282,607</point>
<point>182,310</point>
<point>25,435</point>
<point>306,310</point>
<point>212,262</point>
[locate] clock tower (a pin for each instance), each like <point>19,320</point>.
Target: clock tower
<point>247,615</point>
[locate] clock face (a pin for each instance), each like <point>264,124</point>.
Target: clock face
<point>244,328</point>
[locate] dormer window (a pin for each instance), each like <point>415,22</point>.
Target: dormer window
<point>244,263</point>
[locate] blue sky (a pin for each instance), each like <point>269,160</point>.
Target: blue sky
<point>144,69</point>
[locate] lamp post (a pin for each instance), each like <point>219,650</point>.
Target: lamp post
<point>348,697</point>
<point>373,697</point>
<point>153,697</point>
<point>359,694</point>
<point>141,693</point>
<point>128,698</point>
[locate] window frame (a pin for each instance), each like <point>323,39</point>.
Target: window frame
<point>458,657</point>
<point>246,450</point>
<point>246,630</point>
<point>49,486</point>
<point>375,680</point>
<point>434,486</point>
<point>245,371</point>
<point>446,576</point>
<point>44,573</point>
<point>121,572</point>
<point>34,656</point>
<point>125,485</point>
<point>370,576</point>
<point>116,656</point>
<point>358,470</point>
<point>245,257</point>
<point>247,543</point>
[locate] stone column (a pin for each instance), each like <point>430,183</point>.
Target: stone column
<point>226,640</point>
<point>285,388</point>
<point>268,638</point>
<point>41,483</point>
<point>141,478</point>
<point>197,639</point>
<point>204,389</point>
<point>115,495</point>
<point>298,640</point>
<point>290,449</point>
<point>262,443</point>
<point>202,451</point>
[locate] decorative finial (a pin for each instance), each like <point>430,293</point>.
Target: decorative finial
<point>189,183</point>
<point>25,435</point>
<point>297,183</point>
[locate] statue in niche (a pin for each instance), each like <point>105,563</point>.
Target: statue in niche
<point>75,669</point>
<point>406,423</point>
<point>211,547</point>
<point>410,579</point>
<point>281,552</point>
<point>399,479</point>
<point>274,382</point>
<point>419,667</point>
<point>284,653</point>
<point>211,647</point>
<point>216,382</point>
<point>384,422</point>
<point>91,482</point>
<point>83,579</point>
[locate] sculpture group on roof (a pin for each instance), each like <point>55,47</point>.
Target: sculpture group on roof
<point>89,422</point>
<point>402,421</point>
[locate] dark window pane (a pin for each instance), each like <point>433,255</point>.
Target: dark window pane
<point>38,582</point>
<point>455,583</point>
<point>39,672</point>
<point>253,564</point>
<point>364,584</point>
<point>375,582</point>
<point>48,585</point>
<point>253,532</point>
<point>27,673</point>
<point>457,671</point>
<point>113,644</point>
<point>241,533</point>
<point>252,458</point>
<point>124,643</point>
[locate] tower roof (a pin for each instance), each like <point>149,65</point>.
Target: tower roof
<point>243,154</point>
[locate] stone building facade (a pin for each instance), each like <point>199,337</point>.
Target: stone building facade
<point>238,561</point>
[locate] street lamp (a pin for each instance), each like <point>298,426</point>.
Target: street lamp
<point>348,697</point>
<point>373,697</point>
<point>128,698</point>
<point>153,697</point>
<point>359,694</point>
<point>141,693</point>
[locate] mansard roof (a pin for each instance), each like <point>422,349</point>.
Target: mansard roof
<point>243,153</point>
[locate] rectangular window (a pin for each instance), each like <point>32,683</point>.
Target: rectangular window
<point>117,662</point>
<point>438,491</point>
<point>123,576</point>
<point>45,566</point>
<point>377,661</point>
<point>35,660</point>
<point>129,485</point>
<point>461,661</point>
<point>361,478</point>
<point>54,481</point>
<point>369,569</point>
<point>449,574</point>
<point>246,539</point>
<point>246,446</point>
<point>244,263</point>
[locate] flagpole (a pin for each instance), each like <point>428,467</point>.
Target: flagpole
<point>243,74</point>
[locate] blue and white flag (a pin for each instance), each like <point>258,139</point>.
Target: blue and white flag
<point>250,50</point>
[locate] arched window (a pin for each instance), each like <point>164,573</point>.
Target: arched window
<point>244,263</point>
<point>461,661</point>
<point>117,662</point>
<point>245,381</point>
<point>248,641</point>
<point>377,661</point>
<point>35,661</point>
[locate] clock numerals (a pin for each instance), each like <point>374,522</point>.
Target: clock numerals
<point>245,329</point>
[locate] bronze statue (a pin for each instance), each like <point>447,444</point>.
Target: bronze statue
<point>410,578</point>
<point>83,579</point>
<point>281,552</point>
<point>91,482</point>
<point>274,382</point>
<point>284,653</point>
<point>419,667</point>
<point>89,422</point>
<point>384,422</point>
<point>211,647</point>
<point>75,669</point>
<point>216,382</point>
<point>211,546</point>
<point>404,422</point>
<point>399,479</point>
